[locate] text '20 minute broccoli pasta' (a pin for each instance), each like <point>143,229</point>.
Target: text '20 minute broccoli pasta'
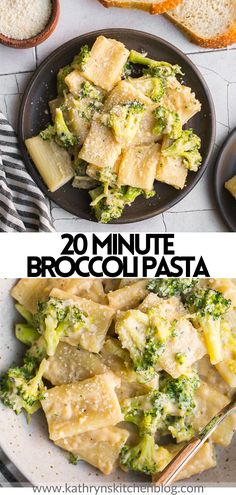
<point>117,128</point>
<point>126,371</point>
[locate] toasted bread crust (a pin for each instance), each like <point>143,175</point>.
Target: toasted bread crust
<point>225,39</point>
<point>165,6</point>
<point>153,8</point>
<point>127,5</point>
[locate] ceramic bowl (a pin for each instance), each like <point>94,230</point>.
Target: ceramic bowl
<point>34,116</point>
<point>40,37</point>
<point>39,461</point>
<point>225,168</point>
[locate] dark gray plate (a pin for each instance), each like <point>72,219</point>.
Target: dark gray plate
<point>42,88</point>
<point>225,168</point>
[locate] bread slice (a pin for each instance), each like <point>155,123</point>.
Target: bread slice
<point>210,23</point>
<point>152,6</point>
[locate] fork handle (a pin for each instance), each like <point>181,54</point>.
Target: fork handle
<point>173,468</point>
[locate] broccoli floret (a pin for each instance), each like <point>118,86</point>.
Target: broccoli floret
<point>106,206</point>
<point>132,329</point>
<point>179,428</point>
<point>49,133</point>
<point>164,410</point>
<point>145,457</point>
<point>26,333</point>
<point>131,193</point>
<point>124,119</point>
<point>157,87</point>
<point>84,106</point>
<point>167,287</point>
<point>22,387</point>
<point>186,147</point>
<point>64,137</point>
<point>134,107</point>
<point>167,122</point>
<point>78,63</point>
<point>81,59</point>
<point>55,319</point>
<point>80,167</point>
<point>146,413</point>
<point>141,457</point>
<point>207,302</point>
<point>207,307</point>
<point>162,327</point>
<point>139,335</point>
<point>107,176</point>
<point>88,90</point>
<point>59,132</point>
<point>38,350</point>
<point>181,391</point>
<point>155,68</point>
<point>152,351</point>
<point>108,203</point>
<point>174,399</point>
<point>61,75</point>
<point>127,70</point>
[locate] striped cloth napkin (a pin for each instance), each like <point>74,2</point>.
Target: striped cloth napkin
<point>23,207</point>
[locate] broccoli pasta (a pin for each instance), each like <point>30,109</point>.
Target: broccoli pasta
<point>126,371</point>
<point>117,128</point>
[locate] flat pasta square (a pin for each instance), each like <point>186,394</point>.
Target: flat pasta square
<point>106,62</point>
<point>91,337</point>
<point>230,185</point>
<point>92,290</point>
<point>100,147</point>
<point>29,292</point>
<point>181,99</point>
<point>171,171</point>
<point>43,153</point>
<point>186,342</point>
<point>209,374</point>
<point>78,407</point>
<point>170,308</point>
<point>124,92</point>
<point>70,364</point>
<point>117,359</point>
<point>128,297</point>
<point>76,81</point>
<point>76,118</point>
<point>204,459</point>
<point>208,403</point>
<point>145,134</point>
<point>100,448</point>
<point>224,433</point>
<point>145,84</point>
<point>138,166</point>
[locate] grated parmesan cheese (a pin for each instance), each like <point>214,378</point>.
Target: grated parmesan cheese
<point>24,19</point>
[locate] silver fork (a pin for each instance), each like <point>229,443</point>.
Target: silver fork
<point>189,450</point>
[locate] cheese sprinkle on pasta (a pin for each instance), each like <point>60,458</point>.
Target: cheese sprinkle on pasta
<point>24,19</point>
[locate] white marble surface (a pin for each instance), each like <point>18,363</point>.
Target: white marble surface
<point>197,212</point>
